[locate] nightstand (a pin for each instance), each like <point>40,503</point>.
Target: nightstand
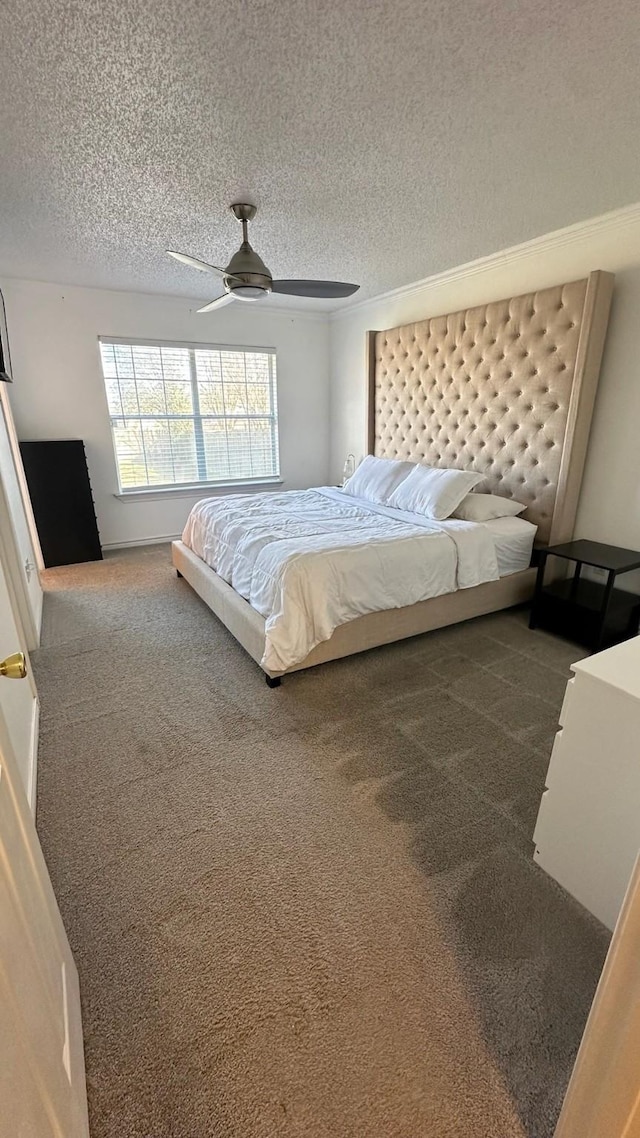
<point>594,614</point>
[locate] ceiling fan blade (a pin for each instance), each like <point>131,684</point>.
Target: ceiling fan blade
<point>194,263</point>
<point>319,289</point>
<point>219,302</point>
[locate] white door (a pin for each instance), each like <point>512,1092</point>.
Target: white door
<point>42,1084</point>
<point>18,701</point>
<point>42,1088</point>
<point>603,1096</point>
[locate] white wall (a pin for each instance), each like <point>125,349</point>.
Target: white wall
<point>58,390</point>
<point>609,508</point>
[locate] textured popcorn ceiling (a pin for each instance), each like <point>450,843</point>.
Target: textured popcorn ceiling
<point>383,140</point>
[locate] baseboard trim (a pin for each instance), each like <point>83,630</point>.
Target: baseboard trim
<point>159,539</point>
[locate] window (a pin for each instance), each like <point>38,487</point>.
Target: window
<point>182,414</point>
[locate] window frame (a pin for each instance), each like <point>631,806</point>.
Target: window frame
<point>193,487</point>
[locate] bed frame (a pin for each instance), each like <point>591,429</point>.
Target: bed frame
<point>506,389</point>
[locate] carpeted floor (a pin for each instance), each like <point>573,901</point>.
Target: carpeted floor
<point>309,911</point>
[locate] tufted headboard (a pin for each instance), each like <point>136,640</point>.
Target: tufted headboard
<point>506,389</point>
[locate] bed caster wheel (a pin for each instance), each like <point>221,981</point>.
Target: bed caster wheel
<point>178,574</point>
<point>273,681</point>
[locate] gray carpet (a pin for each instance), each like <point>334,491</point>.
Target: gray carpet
<point>310,911</point>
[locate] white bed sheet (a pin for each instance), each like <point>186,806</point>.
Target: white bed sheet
<point>513,542</point>
<point>311,560</point>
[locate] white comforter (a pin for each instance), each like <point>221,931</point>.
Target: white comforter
<point>309,560</point>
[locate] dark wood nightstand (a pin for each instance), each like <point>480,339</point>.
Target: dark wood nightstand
<point>594,614</point>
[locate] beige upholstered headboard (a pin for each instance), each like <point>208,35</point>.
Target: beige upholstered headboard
<point>506,389</point>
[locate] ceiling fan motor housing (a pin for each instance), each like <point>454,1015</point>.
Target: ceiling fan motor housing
<point>248,286</point>
<point>254,277</point>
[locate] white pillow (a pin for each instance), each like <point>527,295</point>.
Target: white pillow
<point>432,491</point>
<point>487,507</point>
<point>376,478</point>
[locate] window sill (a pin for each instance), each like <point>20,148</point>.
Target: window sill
<point>203,490</point>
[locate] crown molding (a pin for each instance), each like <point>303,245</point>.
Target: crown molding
<point>569,235</point>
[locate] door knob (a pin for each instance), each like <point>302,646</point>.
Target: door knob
<point>14,667</point>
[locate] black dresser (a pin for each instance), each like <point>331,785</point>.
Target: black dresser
<point>60,491</point>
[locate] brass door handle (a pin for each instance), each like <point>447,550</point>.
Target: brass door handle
<point>14,667</point>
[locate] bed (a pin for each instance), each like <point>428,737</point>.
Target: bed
<point>505,390</point>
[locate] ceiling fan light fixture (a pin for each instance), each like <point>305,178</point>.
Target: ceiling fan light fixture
<point>249,292</point>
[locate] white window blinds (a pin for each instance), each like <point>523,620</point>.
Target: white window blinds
<point>188,414</point>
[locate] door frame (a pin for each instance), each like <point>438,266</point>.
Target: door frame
<point>32,758</point>
<point>7,556</point>
<point>14,569</point>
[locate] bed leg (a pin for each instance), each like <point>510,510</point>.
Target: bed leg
<point>273,681</point>
<point>178,573</point>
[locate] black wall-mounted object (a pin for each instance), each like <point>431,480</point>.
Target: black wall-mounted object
<point>60,492</point>
<point>5,376</point>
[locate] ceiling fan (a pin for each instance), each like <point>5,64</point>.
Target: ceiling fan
<point>246,277</point>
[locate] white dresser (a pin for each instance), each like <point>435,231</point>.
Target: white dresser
<point>588,831</point>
